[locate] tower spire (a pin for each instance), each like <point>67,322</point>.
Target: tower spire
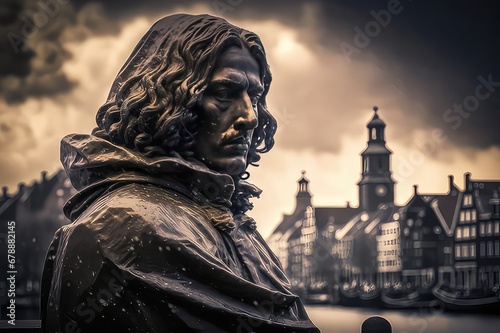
<point>303,195</point>
<point>303,183</point>
<point>376,185</point>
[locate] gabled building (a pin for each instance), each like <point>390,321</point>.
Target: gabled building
<point>313,241</point>
<point>282,238</point>
<point>479,209</point>
<point>444,245</point>
<point>427,235</point>
<point>36,210</point>
<point>359,246</point>
<point>389,251</point>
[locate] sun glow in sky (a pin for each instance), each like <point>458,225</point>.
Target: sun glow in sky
<point>321,101</point>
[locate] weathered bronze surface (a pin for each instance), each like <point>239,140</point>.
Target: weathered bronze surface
<point>159,239</point>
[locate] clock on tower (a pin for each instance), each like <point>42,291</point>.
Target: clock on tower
<point>376,186</point>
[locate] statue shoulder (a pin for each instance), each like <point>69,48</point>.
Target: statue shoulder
<point>136,209</point>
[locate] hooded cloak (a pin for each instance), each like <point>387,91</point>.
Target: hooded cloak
<point>153,245</point>
<point>149,251</point>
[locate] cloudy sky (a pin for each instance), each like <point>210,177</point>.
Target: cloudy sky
<point>431,68</point>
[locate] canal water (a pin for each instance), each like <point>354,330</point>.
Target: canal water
<point>338,319</point>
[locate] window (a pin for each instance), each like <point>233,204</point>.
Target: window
<point>459,233</point>
<point>466,233</point>
<point>497,248</point>
<point>474,215</point>
<point>497,228</point>
<point>472,249</point>
<point>458,253</point>
<point>489,249</point>
<point>489,228</point>
<point>481,229</point>
<point>467,215</point>
<point>465,251</point>
<point>473,232</point>
<point>462,216</point>
<point>482,249</point>
<point>468,200</point>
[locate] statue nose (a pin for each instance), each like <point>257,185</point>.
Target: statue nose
<point>247,117</point>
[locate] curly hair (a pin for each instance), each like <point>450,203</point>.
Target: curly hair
<point>153,109</point>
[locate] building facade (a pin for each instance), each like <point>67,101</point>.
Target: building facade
<point>36,211</point>
<point>437,247</point>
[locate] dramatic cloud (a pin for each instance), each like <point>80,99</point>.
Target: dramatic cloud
<point>34,49</point>
<point>30,132</point>
<point>415,68</point>
<point>434,54</point>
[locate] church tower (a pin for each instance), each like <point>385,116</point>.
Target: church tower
<point>376,185</point>
<point>303,196</point>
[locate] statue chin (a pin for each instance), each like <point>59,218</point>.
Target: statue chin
<point>231,166</point>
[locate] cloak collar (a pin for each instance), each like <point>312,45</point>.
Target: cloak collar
<point>94,165</point>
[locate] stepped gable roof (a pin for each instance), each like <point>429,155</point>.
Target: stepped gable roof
<point>37,192</point>
<point>483,191</point>
<point>10,204</point>
<point>7,205</point>
<point>446,206</point>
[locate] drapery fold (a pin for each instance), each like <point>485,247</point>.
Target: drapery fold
<point>148,251</point>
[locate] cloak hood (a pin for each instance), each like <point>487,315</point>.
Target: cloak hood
<point>95,165</point>
<point>157,42</point>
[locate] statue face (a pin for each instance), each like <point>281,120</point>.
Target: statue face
<point>228,112</point>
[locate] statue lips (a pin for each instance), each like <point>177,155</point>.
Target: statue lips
<point>239,144</point>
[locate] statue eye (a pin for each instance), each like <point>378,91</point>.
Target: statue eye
<point>223,95</point>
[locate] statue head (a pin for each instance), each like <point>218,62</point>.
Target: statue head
<point>194,87</point>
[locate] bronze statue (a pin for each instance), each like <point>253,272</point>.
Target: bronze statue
<point>160,241</point>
